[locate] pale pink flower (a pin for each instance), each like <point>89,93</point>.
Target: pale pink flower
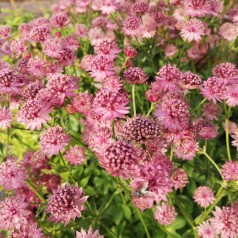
<point>232,95</point>
<point>5,118</point>
<point>170,50</point>
<point>13,213</point>
<point>228,31</point>
<point>27,230</point>
<point>196,8</point>
<point>12,174</point>
<point>5,32</point>
<point>36,67</point>
<point>65,204</point>
<point>81,30</point>
<point>131,26</point>
<point>18,47</point>
<point>206,230</point>
<point>234,135</point>
<point>229,170</point>
<point>193,30</point>
<point>143,201</point>
<point>89,234</point>
<point>110,104</point>
<point>173,113</point>
<point>40,33</point>
<point>165,214</point>
<point>214,89</point>
<point>157,145</point>
<point>52,47</point>
<point>33,114</point>
<point>53,140</point>
<point>75,155</point>
<point>139,8</point>
<point>211,111</point>
<point>180,178</point>
<point>204,196</point>
<point>225,221</point>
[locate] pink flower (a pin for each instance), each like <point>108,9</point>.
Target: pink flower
<point>173,113</point>
<point>12,174</point>
<point>89,234</point>
<point>225,221</point>
<point>206,230</point>
<point>18,47</point>
<point>234,135</point>
<point>204,196</point>
<point>5,118</point>
<point>130,52</point>
<point>9,82</point>
<point>211,111</point>
<point>52,47</point>
<point>81,30</point>
<point>214,89</point>
<point>140,129</point>
<point>180,178</point>
<point>229,31</point>
<point>232,95</point>
<point>60,19</point>
<point>170,50</point>
<point>62,86</point>
<point>110,104</point>
<point>65,204</point>
<point>120,159</point>
<point>40,33</point>
<point>107,48</point>
<point>168,78</point>
<point>135,75</point>
<point>193,30</point>
<point>36,67</point>
<point>196,8</point>
<point>37,162</point>
<point>75,155</point>
<point>191,80</point>
<point>13,213</point>
<point>31,90</point>
<point>28,230</point>
<point>230,170</point>
<point>53,140</point>
<point>165,214</point>
<point>157,145</point>
<point>139,8</point>
<point>4,32</point>
<point>131,26</point>
<point>33,114</point>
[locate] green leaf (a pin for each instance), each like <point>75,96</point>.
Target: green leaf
<point>127,212</point>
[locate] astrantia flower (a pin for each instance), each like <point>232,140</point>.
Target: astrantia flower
<point>33,114</point>
<point>214,89</point>
<point>157,145</point>
<point>38,161</point>
<point>165,214</point>
<point>170,50</point>
<point>135,75</point>
<point>204,196</point>
<point>186,148</point>
<point>31,90</point>
<point>229,31</point>
<point>62,86</point>
<point>193,30</point>
<point>206,230</point>
<point>225,221</point>
<point>211,111</point>
<point>40,33</point>
<point>75,155</point>
<point>5,118</point>
<point>190,80</point>
<point>13,213</point>
<point>204,129</point>
<point>173,113</point>
<point>9,81</point>
<point>131,26</point>
<point>29,230</point>
<point>12,174</point>
<point>107,48</point>
<point>65,204</point>
<point>140,129</point>
<point>110,104</point>
<point>229,170</point>
<point>180,178</point>
<point>53,140</point>
<point>226,71</point>
<point>59,20</point>
<point>232,95</point>
<point>139,8</point>
<point>130,52</point>
<point>4,31</point>
<point>120,159</point>
<point>197,8</point>
<point>168,77</point>
<point>89,234</point>
<point>36,67</point>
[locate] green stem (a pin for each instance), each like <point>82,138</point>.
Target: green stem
<point>171,153</point>
<point>143,223</point>
<point>211,160</point>
<point>133,99</point>
<point>108,203</point>
<point>108,230</point>
<point>152,107</point>
<point>227,139</point>
<point>38,194</point>
<point>197,107</point>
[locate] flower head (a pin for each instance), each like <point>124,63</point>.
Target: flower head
<point>89,234</point>
<point>204,196</point>
<point>75,155</point>
<point>165,214</point>
<point>191,80</point>
<point>60,19</point>
<point>53,140</point>
<point>5,118</point>
<point>180,178</point>
<point>230,170</point>
<point>135,75</point>
<point>65,204</point>
<point>206,230</point>
<point>131,26</point>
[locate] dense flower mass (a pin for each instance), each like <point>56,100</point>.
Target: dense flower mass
<point>114,111</point>
<point>65,204</point>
